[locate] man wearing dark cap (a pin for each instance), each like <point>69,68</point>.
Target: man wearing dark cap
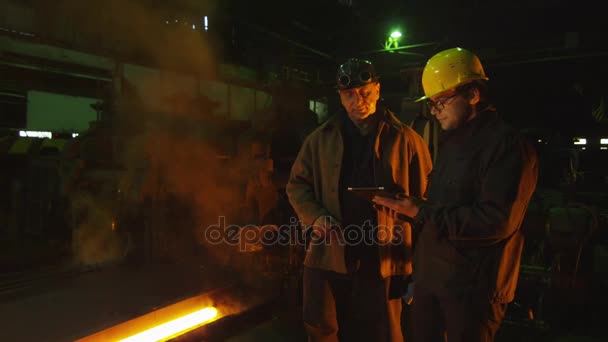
<point>359,258</point>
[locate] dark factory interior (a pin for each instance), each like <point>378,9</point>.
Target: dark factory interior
<point>145,147</point>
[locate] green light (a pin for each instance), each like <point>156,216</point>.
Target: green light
<point>392,42</point>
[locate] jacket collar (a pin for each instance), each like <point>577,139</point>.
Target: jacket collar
<point>470,128</point>
<point>385,119</point>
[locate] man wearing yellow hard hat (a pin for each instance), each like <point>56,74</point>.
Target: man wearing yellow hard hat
<point>466,260</point>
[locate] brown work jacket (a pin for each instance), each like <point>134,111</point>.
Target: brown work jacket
<point>401,160</point>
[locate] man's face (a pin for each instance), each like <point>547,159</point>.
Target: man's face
<point>453,109</point>
<point>360,102</point>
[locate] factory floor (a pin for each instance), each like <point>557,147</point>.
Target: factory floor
<point>286,328</point>
<point>61,303</point>
<point>281,327</point>
<point>66,303</point>
<point>286,325</point>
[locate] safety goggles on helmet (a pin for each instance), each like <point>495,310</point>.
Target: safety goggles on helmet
<point>344,80</point>
<point>355,73</point>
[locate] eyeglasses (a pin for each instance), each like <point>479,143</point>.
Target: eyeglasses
<point>344,80</point>
<point>439,104</point>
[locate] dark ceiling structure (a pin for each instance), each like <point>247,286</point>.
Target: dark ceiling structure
<point>316,35</point>
<point>315,32</point>
<point>540,53</point>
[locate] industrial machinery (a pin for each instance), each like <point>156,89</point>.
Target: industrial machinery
<point>565,239</point>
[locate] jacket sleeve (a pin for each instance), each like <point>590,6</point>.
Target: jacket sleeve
<point>487,221</point>
<point>420,166</point>
<point>300,187</point>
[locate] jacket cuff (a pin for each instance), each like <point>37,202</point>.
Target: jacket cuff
<point>423,213</point>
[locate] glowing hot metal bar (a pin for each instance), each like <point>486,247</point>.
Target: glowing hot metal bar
<point>175,327</point>
<point>164,323</point>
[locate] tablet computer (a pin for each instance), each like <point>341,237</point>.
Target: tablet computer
<point>368,193</point>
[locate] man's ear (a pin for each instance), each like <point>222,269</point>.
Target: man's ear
<point>474,96</point>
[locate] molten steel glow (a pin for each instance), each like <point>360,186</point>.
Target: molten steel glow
<point>175,327</point>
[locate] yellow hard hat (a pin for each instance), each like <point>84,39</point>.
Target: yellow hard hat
<point>449,69</point>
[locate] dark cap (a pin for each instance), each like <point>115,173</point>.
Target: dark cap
<point>355,73</point>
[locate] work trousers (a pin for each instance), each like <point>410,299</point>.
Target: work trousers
<point>350,307</point>
<point>455,319</point>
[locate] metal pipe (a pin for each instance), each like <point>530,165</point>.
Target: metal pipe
<point>405,47</point>
<point>300,45</point>
<point>549,59</point>
<point>55,70</point>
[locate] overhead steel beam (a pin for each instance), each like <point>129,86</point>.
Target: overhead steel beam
<point>290,41</point>
<point>54,70</point>
<point>400,48</point>
<point>551,59</point>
